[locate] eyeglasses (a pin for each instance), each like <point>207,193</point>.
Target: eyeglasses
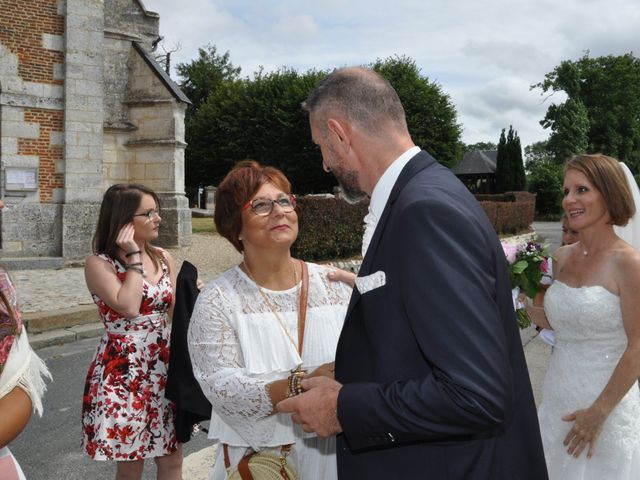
<point>264,206</point>
<point>150,214</point>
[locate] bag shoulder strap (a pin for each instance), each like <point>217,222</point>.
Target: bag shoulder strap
<point>302,311</point>
<point>225,452</point>
<point>243,465</point>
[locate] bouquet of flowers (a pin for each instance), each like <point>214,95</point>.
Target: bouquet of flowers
<point>528,264</point>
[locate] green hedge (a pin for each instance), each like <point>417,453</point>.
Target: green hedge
<point>330,228</point>
<point>510,212</point>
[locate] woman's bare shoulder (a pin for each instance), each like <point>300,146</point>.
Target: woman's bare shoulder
<point>96,261</point>
<point>626,261</point>
<point>562,253</point>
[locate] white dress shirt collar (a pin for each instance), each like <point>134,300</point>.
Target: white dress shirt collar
<point>385,184</point>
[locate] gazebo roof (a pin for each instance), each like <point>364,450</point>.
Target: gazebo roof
<point>477,162</point>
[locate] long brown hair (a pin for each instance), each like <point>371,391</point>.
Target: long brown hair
<point>119,204</point>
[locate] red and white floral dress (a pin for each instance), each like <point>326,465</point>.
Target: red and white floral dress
<point>125,415</point>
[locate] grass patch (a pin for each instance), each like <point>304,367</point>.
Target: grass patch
<point>202,225</point>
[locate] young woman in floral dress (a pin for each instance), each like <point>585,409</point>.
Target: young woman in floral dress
<point>125,416</point>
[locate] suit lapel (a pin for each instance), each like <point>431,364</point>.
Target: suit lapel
<point>419,162</point>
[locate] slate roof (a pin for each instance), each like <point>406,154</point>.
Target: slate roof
<point>477,162</point>
<point>161,74</point>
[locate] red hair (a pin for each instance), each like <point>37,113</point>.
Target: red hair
<point>236,189</point>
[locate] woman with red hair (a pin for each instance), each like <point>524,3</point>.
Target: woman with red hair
<point>258,327</point>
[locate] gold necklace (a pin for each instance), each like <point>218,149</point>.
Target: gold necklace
<point>270,305</point>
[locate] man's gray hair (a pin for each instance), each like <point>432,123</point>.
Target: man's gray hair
<point>360,95</point>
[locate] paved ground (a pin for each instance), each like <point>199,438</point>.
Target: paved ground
<point>49,290</point>
<point>49,448</point>
<point>43,291</point>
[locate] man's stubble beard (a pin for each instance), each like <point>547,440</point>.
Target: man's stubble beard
<point>348,181</point>
<point>349,193</point>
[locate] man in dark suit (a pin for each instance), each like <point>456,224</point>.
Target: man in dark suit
<point>430,379</point>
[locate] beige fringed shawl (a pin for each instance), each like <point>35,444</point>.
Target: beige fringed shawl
<point>20,366</point>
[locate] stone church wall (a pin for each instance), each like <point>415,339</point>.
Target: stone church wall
<point>86,108</point>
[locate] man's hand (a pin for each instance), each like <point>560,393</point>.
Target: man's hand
<point>316,408</point>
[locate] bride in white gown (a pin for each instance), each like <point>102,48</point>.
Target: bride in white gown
<point>590,413</point>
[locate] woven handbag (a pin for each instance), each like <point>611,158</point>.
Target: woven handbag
<point>263,465</point>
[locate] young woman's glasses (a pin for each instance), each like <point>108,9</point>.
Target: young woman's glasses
<point>151,214</point>
<point>264,206</point>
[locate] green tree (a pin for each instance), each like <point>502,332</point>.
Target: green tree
<point>261,118</point>
<point>537,152</point>
<point>199,78</point>
<point>609,89</point>
<point>480,146</point>
<point>431,116</point>
<point>519,179</point>
<point>503,167</point>
<point>510,175</point>
<point>569,130</point>
<point>545,180</point>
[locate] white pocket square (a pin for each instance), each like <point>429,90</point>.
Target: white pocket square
<point>370,282</point>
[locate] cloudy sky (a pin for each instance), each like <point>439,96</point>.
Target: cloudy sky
<point>484,54</point>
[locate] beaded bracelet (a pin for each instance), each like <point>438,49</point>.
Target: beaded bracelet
<point>294,383</point>
<point>127,255</point>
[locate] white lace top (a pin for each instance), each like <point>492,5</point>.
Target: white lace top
<point>237,346</point>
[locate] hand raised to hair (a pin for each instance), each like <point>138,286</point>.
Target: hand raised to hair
<point>125,239</point>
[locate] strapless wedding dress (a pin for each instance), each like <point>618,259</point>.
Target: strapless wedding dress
<point>590,341</point>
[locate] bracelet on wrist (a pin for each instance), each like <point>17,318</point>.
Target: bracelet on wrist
<point>293,386</point>
<point>127,255</point>
<point>294,382</point>
<point>138,269</point>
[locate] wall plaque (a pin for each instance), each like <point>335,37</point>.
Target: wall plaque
<point>17,179</point>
